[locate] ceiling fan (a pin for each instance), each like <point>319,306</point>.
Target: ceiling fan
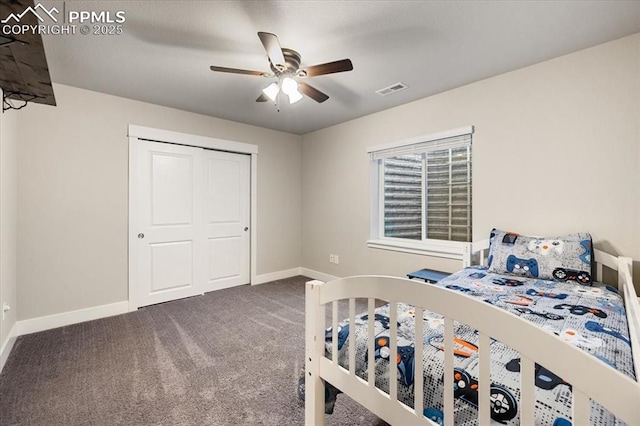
<point>285,66</point>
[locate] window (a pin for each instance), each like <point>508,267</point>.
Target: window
<point>421,194</point>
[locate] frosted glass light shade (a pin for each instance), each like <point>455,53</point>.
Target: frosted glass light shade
<point>271,91</point>
<point>290,88</point>
<point>294,97</point>
<point>289,85</point>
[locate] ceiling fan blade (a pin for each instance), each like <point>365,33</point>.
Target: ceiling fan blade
<point>262,98</point>
<point>328,68</point>
<point>274,51</point>
<point>312,92</point>
<point>236,71</point>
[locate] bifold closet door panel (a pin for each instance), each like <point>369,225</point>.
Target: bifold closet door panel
<point>193,214</point>
<point>170,222</point>
<point>227,218</point>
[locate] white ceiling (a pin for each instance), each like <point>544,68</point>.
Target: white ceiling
<point>164,53</point>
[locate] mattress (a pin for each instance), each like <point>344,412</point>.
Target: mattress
<point>589,317</point>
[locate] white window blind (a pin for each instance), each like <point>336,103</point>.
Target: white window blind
<point>425,189</point>
<point>448,194</point>
<point>421,147</point>
<point>403,196</point>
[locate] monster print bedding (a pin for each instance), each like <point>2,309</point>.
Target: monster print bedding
<point>590,317</point>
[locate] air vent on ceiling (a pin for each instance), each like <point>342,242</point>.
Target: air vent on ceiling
<point>396,87</point>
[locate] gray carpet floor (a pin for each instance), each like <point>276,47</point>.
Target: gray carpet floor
<point>230,357</point>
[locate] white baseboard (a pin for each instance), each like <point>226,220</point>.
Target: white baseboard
<point>7,345</point>
<point>34,325</point>
<point>321,276</point>
<point>288,273</point>
<point>278,275</point>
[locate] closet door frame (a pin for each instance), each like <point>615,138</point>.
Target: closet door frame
<point>136,133</point>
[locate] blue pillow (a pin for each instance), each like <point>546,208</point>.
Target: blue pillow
<point>566,258</point>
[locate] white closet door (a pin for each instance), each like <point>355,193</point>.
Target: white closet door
<point>226,213</point>
<point>170,231</point>
<point>193,211</point>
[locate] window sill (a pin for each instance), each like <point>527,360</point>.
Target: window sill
<point>447,249</point>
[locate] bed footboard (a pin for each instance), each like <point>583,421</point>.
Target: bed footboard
<point>314,344</point>
<point>535,346</point>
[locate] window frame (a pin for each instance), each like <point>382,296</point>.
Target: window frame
<point>426,246</point>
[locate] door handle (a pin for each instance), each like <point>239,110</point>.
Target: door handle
<point>140,236</point>
<point>246,228</point>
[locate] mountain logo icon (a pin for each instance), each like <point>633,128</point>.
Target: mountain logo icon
<point>39,11</point>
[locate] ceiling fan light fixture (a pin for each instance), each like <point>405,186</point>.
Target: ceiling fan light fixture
<point>272,91</point>
<point>289,85</point>
<point>290,88</point>
<point>294,97</point>
<point>285,67</point>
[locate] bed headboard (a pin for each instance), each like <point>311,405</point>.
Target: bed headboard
<point>478,252</point>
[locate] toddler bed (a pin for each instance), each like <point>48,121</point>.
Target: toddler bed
<point>523,341</point>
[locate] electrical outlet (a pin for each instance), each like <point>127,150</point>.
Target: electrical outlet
<point>5,308</point>
<point>336,259</point>
<point>332,259</point>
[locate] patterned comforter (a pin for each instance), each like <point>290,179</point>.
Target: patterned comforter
<point>591,318</point>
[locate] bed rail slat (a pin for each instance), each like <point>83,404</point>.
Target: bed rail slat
<point>352,336</point>
<point>393,347</point>
<point>484,379</point>
<point>371,322</point>
<point>606,259</point>
<point>449,420</point>
<point>334,333</point>
<point>598,271</point>
<point>418,401</point>
<point>527,391</point>
<point>581,408</point>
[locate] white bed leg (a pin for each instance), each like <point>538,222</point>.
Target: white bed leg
<point>314,345</point>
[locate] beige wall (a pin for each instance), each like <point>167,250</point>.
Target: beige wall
<point>556,150</point>
<point>73,186</point>
<point>8,223</point>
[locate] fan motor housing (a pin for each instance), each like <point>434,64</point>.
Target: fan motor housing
<point>292,60</point>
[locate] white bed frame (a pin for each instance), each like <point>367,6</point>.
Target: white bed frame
<point>615,391</point>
